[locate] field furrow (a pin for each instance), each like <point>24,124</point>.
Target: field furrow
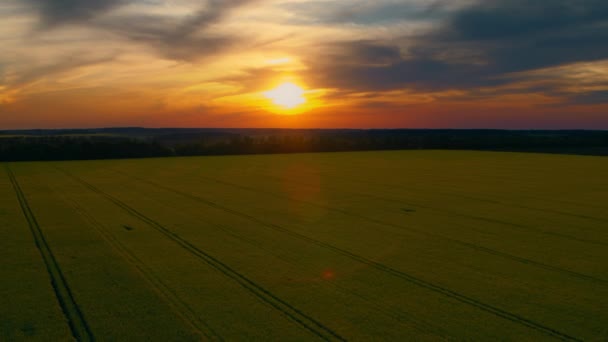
<point>78,324</point>
<point>109,292</point>
<point>417,281</point>
<point>263,294</point>
<point>384,268</point>
<point>182,307</point>
<point>29,309</point>
<point>399,245</point>
<point>383,223</point>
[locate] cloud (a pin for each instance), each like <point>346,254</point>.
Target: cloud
<point>178,38</point>
<point>505,19</point>
<point>181,38</point>
<point>213,12</point>
<point>14,87</point>
<point>486,44</point>
<point>45,56</point>
<point>368,53</point>
<point>2,74</point>
<point>418,72</point>
<point>518,35</point>
<point>37,73</point>
<point>364,12</point>
<point>56,12</point>
<point>593,97</point>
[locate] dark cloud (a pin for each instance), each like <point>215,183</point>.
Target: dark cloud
<point>420,73</point>
<point>503,19</point>
<point>362,12</point>
<point>367,53</point>
<point>55,12</point>
<point>489,43</point>
<point>593,97</point>
<point>518,35</point>
<point>180,39</point>
<point>213,12</point>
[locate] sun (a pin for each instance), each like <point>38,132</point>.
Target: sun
<point>287,95</point>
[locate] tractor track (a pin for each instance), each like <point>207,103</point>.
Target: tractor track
<point>72,312</point>
<point>474,197</point>
<point>183,310</point>
<point>519,227</point>
<point>396,314</point>
<point>449,213</point>
<point>394,272</point>
<point>469,197</point>
<point>473,246</point>
<point>515,226</point>
<point>306,322</point>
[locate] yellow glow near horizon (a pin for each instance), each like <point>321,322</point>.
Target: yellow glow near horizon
<point>287,95</point>
<point>284,96</point>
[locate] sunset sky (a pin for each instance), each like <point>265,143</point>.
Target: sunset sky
<point>332,63</point>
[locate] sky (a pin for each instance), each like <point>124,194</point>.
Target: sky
<point>516,64</point>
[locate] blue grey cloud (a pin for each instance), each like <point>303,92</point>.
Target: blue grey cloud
<point>592,97</point>
<point>55,12</point>
<point>489,43</point>
<point>182,39</point>
<point>363,12</point>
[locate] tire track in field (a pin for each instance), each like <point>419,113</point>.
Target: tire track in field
<point>387,269</point>
<point>520,227</point>
<point>396,314</point>
<point>183,310</point>
<point>489,200</point>
<point>264,295</point>
<point>502,203</point>
<point>469,197</point>
<point>76,320</point>
<point>479,248</point>
<point>481,199</point>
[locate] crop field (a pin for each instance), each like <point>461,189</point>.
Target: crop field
<point>405,245</point>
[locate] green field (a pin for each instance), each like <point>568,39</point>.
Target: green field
<point>413,245</point>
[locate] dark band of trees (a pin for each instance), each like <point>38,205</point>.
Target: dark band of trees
<point>141,143</point>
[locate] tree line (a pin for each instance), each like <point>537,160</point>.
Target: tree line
<point>229,142</point>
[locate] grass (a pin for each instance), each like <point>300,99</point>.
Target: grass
<point>341,246</point>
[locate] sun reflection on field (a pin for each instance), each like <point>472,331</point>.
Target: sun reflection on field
<point>328,274</point>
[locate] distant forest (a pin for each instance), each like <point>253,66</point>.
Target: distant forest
<point>116,143</point>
